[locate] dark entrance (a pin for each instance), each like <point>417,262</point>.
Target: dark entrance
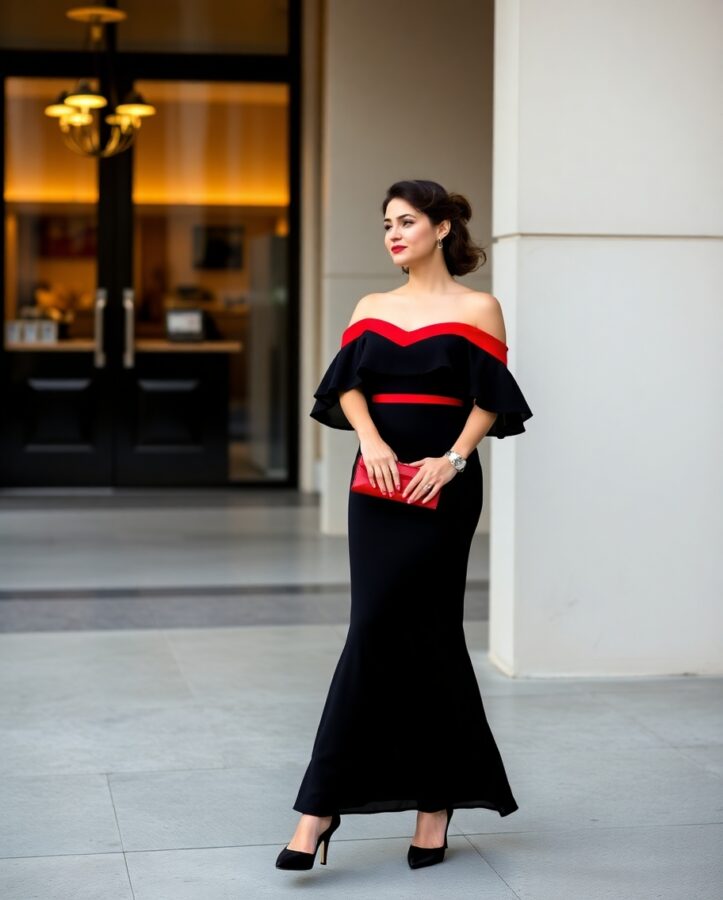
<point>106,264</point>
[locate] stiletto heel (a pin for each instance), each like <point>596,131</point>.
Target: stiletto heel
<point>324,851</point>
<point>418,857</point>
<point>299,859</point>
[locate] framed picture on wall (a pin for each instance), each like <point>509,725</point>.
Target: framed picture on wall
<point>67,236</point>
<point>218,246</point>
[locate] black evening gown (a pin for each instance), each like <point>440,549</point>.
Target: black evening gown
<point>403,725</point>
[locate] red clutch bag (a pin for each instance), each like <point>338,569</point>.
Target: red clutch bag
<point>360,484</point>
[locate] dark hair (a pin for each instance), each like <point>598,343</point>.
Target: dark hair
<point>461,254</point>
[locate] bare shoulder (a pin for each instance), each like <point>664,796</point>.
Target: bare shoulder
<point>364,308</point>
<point>485,311</point>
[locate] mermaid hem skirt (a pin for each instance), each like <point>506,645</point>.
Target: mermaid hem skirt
<point>404,717</point>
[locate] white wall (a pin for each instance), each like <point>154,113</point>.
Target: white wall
<point>407,94</point>
<point>607,524</point>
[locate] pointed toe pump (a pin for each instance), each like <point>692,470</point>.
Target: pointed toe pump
<point>298,859</point>
<point>418,857</point>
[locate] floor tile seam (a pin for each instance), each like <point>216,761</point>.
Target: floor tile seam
<point>234,768</point>
<point>133,592</point>
<point>128,876</point>
<point>223,630</point>
<point>609,684</point>
<point>633,680</point>
<point>681,748</point>
<point>479,852</point>
<point>62,855</point>
<point>605,753</point>
<point>382,837</point>
<point>581,827</point>
<point>157,626</point>
<point>406,837</point>
<point>337,840</point>
<point>601,684</point>
<point>30,508</point>
<point>35,717</point>
<point>320,617</point>
<point>115,811</point>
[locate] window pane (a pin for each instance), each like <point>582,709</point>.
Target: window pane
<point>50,224</point>
<point>211,194</point>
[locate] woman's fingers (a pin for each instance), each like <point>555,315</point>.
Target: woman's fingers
<point>427,482</point>
<point>414,483</point>
<point>390,475</point>
<point>414,489</point>
<point>430,493</point>
<point>385,476</point>
<point>417,489</point>
<point>392,478</point>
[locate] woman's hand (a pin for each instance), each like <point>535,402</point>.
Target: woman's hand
<point>434,470</point>
<point>380,462</point>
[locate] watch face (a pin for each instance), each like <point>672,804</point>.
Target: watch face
<point>456,461</point>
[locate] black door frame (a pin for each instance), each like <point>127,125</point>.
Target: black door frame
<point>284,69</point>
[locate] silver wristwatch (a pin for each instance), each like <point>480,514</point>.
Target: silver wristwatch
<point>459,462</point>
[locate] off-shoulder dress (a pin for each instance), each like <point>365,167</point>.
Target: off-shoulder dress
<point>403,725</point>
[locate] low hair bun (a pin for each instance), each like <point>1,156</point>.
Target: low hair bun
<point>461,254</point>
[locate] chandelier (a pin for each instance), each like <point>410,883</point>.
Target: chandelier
<point>80,128</point>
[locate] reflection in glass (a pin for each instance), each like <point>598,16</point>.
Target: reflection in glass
<point>50,225</point>
<point>210,195</point>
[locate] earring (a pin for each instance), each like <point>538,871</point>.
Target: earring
<point>439,243</point>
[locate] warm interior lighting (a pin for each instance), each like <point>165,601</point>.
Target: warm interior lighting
<point>77,118</point>
<point>182,162</point>
<point>125,122</point>
<point>135,105</point>
<point>84,97</point>
<point>59,108</point>
<point>56,110</point>
<point>101,14</point>
<point>81,133</point>
<point>137,110</point>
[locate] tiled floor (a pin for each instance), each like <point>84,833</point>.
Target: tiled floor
<point>163,666</point>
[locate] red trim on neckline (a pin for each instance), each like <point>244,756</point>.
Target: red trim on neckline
<point>404,337</point>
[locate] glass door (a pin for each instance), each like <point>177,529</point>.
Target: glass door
<point>205,318</point>
<point>146,313</point>
<point>55,427</point>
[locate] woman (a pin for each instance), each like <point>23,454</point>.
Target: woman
<point>422,377</point>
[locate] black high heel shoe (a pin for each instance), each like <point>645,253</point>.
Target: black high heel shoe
<point>418,857</point>
<point>298,859</point>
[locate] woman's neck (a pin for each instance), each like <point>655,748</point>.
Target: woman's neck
<point>429,278</point>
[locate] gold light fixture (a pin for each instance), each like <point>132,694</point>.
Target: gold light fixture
<point>80,129</point>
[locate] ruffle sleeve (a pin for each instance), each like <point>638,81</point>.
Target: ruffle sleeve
<point>468,360</point>
<point>342,375</point>
<point>494,388</point>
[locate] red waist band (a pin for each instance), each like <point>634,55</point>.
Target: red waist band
<point>417,398</point>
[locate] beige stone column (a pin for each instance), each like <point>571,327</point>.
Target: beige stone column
<point>607,528</point>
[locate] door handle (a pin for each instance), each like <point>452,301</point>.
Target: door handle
<point>101,299</point>
<point>129,357</point>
